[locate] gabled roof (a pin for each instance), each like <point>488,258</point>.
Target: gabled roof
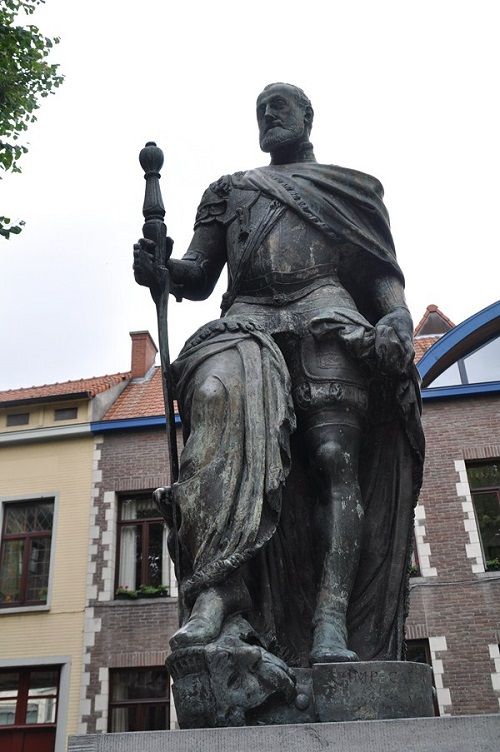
<point>139,399</point>
<point>433,322</point>
<point>80,388</point>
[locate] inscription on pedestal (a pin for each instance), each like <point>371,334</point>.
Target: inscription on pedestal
<point>372,690</point>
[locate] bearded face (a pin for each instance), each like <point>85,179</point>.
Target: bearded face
<point>281,120</point>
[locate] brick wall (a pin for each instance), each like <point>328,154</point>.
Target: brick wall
<point>456,607</point>
<point>120,634</point>
<point>460,603</point>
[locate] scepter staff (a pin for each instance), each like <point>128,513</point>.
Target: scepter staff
<point>155,230</point>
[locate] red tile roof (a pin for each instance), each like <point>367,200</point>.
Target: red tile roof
<point>422,344</point>
<point>145,399</point>
<point>81,387</point>
<point>139,400</point>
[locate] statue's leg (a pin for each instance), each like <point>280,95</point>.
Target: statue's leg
<point>338,519</point>
<point>330,397</point>
<point>211,608</point>
<point>214,403</point>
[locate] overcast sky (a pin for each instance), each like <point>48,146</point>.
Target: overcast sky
<point>405,91</point>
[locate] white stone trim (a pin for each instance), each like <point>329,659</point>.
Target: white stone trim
<point>108,538</point>
<point>91,624</point>
<point>473,548</point>
<point>423,548</point>
<point>494,652</point>
<point>45,434</point>
<point>94,531</point>
<point>439,645</point>
<point>101,701</point>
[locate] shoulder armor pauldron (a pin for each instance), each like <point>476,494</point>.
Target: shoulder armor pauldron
<point>213,204</point>
<point>216,204</point>
<point>222,186</point>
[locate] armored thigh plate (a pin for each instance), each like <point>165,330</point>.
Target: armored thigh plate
<point>328,384</point>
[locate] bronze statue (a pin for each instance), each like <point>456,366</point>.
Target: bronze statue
<point>303,447</point>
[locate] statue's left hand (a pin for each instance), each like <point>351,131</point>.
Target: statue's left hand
<point>394,343</point>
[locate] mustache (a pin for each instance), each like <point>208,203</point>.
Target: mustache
<point>273,124</point>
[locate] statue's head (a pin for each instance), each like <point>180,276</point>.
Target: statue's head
<point>284,116</point>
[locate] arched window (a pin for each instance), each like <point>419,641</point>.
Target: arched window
<point>467,355</point>
<point>480,366</point>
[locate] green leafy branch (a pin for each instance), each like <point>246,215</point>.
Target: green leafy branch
<point>25,78</point>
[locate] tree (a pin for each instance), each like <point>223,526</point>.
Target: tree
<point>25,77</point>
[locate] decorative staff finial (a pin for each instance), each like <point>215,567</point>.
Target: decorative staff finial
<point>151,159</point>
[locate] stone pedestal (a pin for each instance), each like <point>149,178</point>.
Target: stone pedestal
<point>477,733</point>
<point>207,694</point>
<point>372,690</point>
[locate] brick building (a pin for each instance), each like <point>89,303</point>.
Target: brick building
<point>46,469</point>
<point>455,601</point>
<point>131,593</point>
<point>454,620</point>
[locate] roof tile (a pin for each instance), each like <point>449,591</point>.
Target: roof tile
<point>140,399</point>
<point>422,344</point>
<point>145,398</point>
<point>91,387</point>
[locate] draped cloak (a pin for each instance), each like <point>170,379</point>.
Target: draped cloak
<point>248,509</point>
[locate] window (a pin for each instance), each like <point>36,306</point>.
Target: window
<point>484,482</point>
<point>481,365</point>
<point>18,419</point>
<point>143,561</point>
<point>65,413</point>
<point>414,565</point>
<point>25,552</point>
<point>418,651</point>
<point>484,363</point>
<point>139,699</point>
<point>28,696</point>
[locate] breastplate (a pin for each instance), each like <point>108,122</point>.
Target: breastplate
<point>293,256</point>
